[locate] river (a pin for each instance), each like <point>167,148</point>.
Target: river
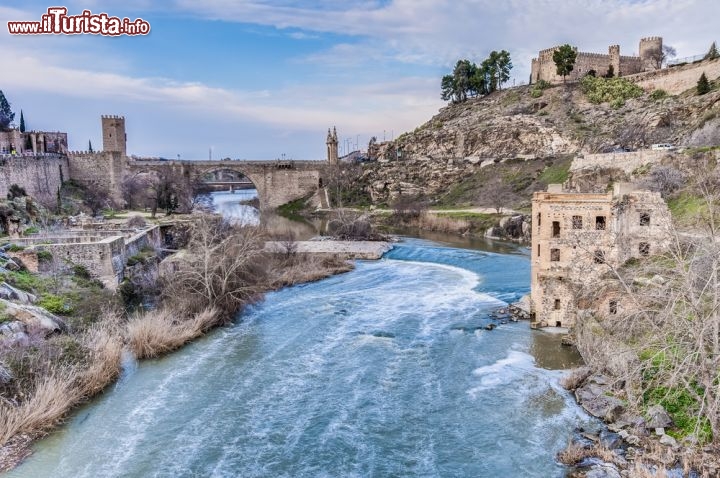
<point>383,371</point>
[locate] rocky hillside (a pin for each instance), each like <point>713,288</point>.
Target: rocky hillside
<point>517,125</point>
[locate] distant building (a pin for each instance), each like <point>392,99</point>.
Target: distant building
<point>36,142</point>
<point>575,236</point>
<point>543,67</point>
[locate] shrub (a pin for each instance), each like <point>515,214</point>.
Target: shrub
<point>56,304</point>
<point>658,94</point>
<point>44,256</point>
<point>609,90</point>
<point>703,85</point>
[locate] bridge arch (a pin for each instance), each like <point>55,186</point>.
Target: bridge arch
<point>276,182</point>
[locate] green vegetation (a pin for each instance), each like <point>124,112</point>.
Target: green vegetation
<point>293,209</point>
<point>469,80</point>
<point>658,94</point>
<point>556,173</point>
<point>44,256</point>
<point>609,90</point>
<point>703,85</point>
<point>537,89</point>
<point>684,409</point>
<point>30,230</point>
<point>6,114</point>
<point>564,59</point>
<point>686,206</point>
<point>712,53</point>
<point>56,304</point>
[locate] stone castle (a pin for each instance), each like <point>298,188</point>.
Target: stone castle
<point>543,67</point>
<point>578,237</point>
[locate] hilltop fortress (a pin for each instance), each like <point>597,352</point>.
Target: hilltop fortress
<point>649,59</point>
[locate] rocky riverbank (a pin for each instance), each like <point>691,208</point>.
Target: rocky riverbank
<point>633,444</point>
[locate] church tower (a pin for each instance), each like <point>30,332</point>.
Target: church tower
<point>332,146</point>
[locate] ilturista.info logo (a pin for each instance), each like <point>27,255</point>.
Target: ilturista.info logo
<point>57,22</point>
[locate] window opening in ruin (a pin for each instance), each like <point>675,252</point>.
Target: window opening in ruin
<point>558,323</point>
<point>554,255</point>
<point>577,222</point>
<point>600,223</point>
<point>613,307</point>
<point>644,219</point>
<point>644,249</point>
<point>599,257</point>
<point>557,304</point>
<point>556,229</point>
<point>539,221</point>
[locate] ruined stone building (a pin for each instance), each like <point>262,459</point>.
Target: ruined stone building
<point>577,236</point>
<point>36,142</point>
<point>543,67</point>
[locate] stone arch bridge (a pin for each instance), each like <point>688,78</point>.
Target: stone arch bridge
<point>277,182</point>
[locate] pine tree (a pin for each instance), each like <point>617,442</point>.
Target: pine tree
<point>90,146</point>
<point>22,122</point>
<point>712,52</point>
<point>6,114</point>
<point>703,85</point>
<point>564,59</point>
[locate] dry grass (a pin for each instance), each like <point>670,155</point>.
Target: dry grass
<point>158,332</point>
<point>575,378</point>
<point>103,364</point>
<point>306,268</point>
<point>433,222</point>
<point>50,400</point>
<point>574,454</point>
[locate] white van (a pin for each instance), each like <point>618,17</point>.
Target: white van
<point>662,146</point>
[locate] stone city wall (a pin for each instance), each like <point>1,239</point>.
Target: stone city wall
<point>40,175</point>
<point>627,162</point>
<point>677,79</point>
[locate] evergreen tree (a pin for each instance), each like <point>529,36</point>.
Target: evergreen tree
<point>90,146</point>
<point>703,85</point>
<point>22,122</point>
<point>564,58</point>
<point>6,114</point>
<point>610,73</point>
<point>712,52</point>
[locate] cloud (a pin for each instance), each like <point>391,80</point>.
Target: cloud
<point>436,32</point>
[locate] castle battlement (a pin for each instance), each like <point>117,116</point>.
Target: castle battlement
<point>112,117</point>
<point>593,55</point>
<point>543,67</point>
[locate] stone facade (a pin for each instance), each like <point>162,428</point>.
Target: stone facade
<point>14,142</point>
<point>103,253</point>
<point>543,67</point>
<point>332,146</point>
<point>40,175</point>
<point>677,79</point>
<point>577,237</point>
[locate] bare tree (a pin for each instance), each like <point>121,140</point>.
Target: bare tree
<point>665,180</point>
<point>222,268</point>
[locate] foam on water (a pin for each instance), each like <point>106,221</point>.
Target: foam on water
<point>384,371</point>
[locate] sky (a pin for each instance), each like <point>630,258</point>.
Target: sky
<point>264,79</point>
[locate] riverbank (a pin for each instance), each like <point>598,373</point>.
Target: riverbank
<point>387,370</point>
<point>222,270</point>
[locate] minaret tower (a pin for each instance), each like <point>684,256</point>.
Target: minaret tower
<point>332,146</point>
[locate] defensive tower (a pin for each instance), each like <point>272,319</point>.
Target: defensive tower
<point>114,136</point>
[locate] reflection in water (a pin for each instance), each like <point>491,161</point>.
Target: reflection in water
<point>550,354</point>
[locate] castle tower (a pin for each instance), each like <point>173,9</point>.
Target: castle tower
<point>332,146</point>
<point>614,53</point>
<point>114,136</point>
<point>651,53</point>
